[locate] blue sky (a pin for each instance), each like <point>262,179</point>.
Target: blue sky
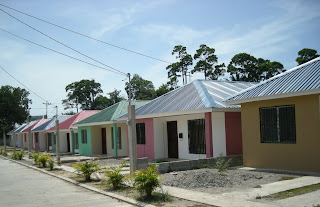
<point>274,30</point>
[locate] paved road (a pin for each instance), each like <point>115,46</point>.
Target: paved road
<point>22,186</point>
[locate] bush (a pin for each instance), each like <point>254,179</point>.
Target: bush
<point>13,155</point>
<point>50,162</point>
<point>115,178</point>
<point>86,168</point>
<point>147,180</point>
<point>221,164</point>
<point>20,155</point>
<point>35,156</point>
<point>43,159</point>
<point>4,153</point>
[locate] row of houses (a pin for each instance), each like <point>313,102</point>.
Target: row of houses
<point>274,124</point>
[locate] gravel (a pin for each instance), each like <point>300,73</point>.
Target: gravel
<point>212,181</point>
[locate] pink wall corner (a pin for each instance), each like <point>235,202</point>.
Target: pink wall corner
<point>146,150</point>
<point>208,129</point>
<point>233,133</point>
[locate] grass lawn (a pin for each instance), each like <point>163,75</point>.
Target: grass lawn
<point>294,192</point>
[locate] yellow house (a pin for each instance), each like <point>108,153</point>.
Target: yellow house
<point>281,120</point>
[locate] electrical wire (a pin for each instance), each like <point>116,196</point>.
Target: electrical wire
<point>83,35</point>
<point>120,73</point>
<point>22,83</point>
<point>59,41</point>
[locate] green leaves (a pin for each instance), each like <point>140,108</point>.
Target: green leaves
<point>146,181</point>
<point>141,89</point>
<point>115,178</point>
<point>306,55</point>
<point>86,168</point>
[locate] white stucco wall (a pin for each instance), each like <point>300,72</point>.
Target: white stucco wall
<point>218,133</point>
<point>124,150</point>
<point>63,142</point>
<point>42,140</point>
<point>19,140</point>
<point>161,138</point>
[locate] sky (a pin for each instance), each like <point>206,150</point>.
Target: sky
<point>274,30</point>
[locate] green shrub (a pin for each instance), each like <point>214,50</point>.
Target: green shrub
<point>50,162</point>
<point>4,153</point>
<point>13,155</point>
<point>86,168</point>
<point>35,156</point>
<point>221,164</point>
<point>1,150</point>
<point>147,180</point>
<point>43,159</point>
<point>20,155</point>
<point>115,178</point>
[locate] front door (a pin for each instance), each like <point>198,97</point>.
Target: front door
<point>172,139</point>
<point>68,141</point>
<point>104,141</point>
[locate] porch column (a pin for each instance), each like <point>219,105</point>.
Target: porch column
<point>115,140</point>
<point>208,129</point>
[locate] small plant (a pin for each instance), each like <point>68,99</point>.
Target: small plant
<point>50,162</point>
<point>13,155</point>
<point>147,180</point>
<point>4,153</point>
<point>1,150</point>
<point>221,164</point>
<point>86,168</point>
<point>20,155</point>
<point>115,178</point>
<point>43,159</point>
<point>35,156</point>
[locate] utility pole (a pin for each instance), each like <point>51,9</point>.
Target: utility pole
<point>29,136</point>
<point>47,104</point>
<point>14,139</point>
<point>132,133</point>
<point>57,136</point>
<point>4,139</point>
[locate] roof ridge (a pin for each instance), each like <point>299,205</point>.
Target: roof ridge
<point>204,94</point>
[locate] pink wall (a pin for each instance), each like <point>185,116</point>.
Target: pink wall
<point>145,150</point>
<point>233,133</point>
<point>208,128</point>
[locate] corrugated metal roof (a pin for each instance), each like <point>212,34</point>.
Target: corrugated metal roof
<point>199,94</point>
<point>112,112</point>
<point>301,78</point>
<point>51,123</point>
<point>35,125</point>
<point>67,124</point>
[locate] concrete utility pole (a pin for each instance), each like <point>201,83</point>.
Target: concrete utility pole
<point>57,136</point>
<point>29,140</point>
<point>14,139</point>
<point>4,139</point>
<point>132,133</point>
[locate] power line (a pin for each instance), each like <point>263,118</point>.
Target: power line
<point>60,42</point>
<point>83,35</point>
<point>22,83</point>
<point>124,74</point>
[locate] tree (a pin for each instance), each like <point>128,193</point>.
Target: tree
<point>115,97</point>
<point>141,89</point>
<point>181,66</point>
<point>14,106</point>
<point>206,62</point>
<point>163,89</point>
<point>306,55</point>
<point>244,67</point>
<point>82,93</point>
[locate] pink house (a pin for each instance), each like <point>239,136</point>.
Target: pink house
<point>191,122</point>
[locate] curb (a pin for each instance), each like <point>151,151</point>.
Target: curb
<point>112,195</point>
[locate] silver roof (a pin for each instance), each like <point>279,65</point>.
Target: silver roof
<point>300,78</point>
<point>199,94</point>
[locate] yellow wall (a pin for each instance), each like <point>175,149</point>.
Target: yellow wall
<point>304,155</point>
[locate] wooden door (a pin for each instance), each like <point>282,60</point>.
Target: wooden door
<point>172,139</point>
<point>104,141</point>
<point>68,142</point>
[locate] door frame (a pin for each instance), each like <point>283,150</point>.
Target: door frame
<point>104,140</point>
<point>175,153</point>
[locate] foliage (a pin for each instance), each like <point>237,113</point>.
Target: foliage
<point>82,93</point>
<point>69,113</point>
<point>206,62</point>
<point>147,180</point>
<point>180,68</point>
<point>245,67</point>
<point>141,89</point>
<point>14,105</point>
<point>115,178</point>
<point>306,55</point>
<point>43,159</point>
<point>221,164</point>
<point>20,155</point>
<point>163,89</point>
<point>86,168</point>
<point>4,153</point>
<point>115,97</point>
<point>35,156</point>
<point>50,162</point>
<point>13,155</point>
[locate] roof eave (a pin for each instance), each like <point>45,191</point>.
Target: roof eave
<point>274,96</point>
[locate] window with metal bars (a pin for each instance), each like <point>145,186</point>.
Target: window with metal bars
<point>278,124</point>
<point>118,138</point>
<point>141,133</point>
<point>196,136</point>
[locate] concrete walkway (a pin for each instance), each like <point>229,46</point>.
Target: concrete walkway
<point>306,200</point>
